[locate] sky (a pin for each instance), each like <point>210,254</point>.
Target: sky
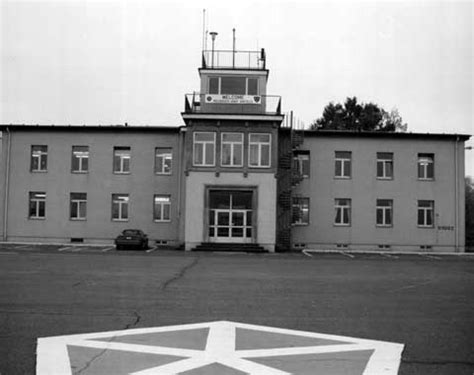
<point>116,61</point>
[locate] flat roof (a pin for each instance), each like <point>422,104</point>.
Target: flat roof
<point>176,129</point>
<point>151,128</point>
<point>381,134</point>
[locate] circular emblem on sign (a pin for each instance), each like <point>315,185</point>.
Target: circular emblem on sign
<point>208,99</point>
<point>256,99</point>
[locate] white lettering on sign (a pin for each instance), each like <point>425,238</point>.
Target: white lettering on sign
<point>233,99</point>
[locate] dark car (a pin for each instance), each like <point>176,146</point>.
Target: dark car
<point>131,238</point>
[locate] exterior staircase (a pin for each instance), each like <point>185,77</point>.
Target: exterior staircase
<point>230,247</point>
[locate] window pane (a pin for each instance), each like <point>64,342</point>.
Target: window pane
<point>42,209</point>
<point>115,210</point>
<point>116,163</point>
<point>232,137</point>
<point>126,164</point>
<point>343,154</point>
<point>260,138</point>
<point>388,217</point>
<point>82,209</point>
<point>389,169</point>
<point>379,216</point>
<point>226,154</point>
<point>73,209</point>
<point>166,211</point>
<point>32,211</point>
<point>124,211</point>
<point>204,136</point>
<point>85,164</point>
<point>214,85</point>
<point>209,154</point>
<point>265,155</point>
<point>429,217</point>
<point>338,171</point>
<point>347,168</point>
<point>252,86</point>
<point>198,153</point>
<point>233,85</point>
<point>380,169</point>
<point>237,160</point>
<point>421,217</point>
<point>430,170</point>
<point>44,162</point>
<point>253,155</point>
<point>346,216</point>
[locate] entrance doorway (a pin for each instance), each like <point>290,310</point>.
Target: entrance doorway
<point>230,216</point>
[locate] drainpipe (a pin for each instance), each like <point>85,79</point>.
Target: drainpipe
<point>7,187</point>
<point>456,203</point>
<point>181,163</point>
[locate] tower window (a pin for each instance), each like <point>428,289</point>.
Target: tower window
<point>233,86</point>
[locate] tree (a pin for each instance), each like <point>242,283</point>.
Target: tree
<point>359,116</point>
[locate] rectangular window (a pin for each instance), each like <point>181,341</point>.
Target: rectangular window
<point>39,158</point>
<point>343,164</point>
<point>426,166</point>
<point>214,85</point>
<point>37,205</point>
<point>80,159</point>
<point>300,212</point>
<point>204,149</point>
<point>259,150</point>
<point>163,160</point>
<point>78,206</point>
<point>343,212</point>
<point>232,149</point>
<point>426,214</point>
<point>120,207</point>
<point>301,163</point>
<point>233,85</point>
<point>122,160</point>
<point>385,165</point>
<point>161,208</point>
<point>252,86</point>
<point>384,212</point>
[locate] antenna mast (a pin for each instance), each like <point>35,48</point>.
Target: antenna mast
<point>233,48</point>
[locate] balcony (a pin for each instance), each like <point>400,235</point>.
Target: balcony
<point>228,59</point>
<point>232,104</point>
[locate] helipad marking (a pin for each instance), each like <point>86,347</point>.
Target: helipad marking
<point>219,352</point>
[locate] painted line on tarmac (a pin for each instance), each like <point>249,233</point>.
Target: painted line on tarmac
<point>23,247</point>
<point>390,256</point>
<point>108,249</point>
<point>151,250</point>
<point>217,347</point>
<point>430,256</point>
<point>8,253</point>
<point>307,253</point>
<point>346,254</point>
<point>65,248</point>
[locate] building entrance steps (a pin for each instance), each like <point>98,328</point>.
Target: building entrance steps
<point>230,247</point>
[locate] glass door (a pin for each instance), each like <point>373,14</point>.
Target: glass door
<point>230,216</point>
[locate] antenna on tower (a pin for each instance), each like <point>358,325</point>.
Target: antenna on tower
<point>233,48</point>
<point>203,29</point>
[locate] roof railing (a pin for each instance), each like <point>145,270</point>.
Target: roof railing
<point>232,104</point>
<point>229,59</point>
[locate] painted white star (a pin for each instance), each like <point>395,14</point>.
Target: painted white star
<point>220,348</point>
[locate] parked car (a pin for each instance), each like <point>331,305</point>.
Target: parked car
<point>131,238</point>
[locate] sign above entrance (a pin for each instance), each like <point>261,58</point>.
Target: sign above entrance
<point>220,347</point>
<point>233,99</point>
